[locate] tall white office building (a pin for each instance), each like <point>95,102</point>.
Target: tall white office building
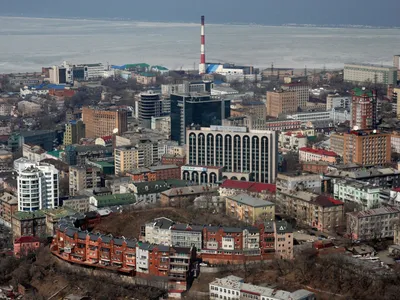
<point>38,187</point>
<point>242,152</point>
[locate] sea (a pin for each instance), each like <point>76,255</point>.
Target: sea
<point>27,44</point>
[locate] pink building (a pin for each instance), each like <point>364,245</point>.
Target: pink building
<point>25,244</point>
<point>309,154</point>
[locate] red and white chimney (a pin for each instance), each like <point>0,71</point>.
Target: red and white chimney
<point>202,66</point>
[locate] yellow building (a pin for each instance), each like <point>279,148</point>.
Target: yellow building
<point>249,209</point>
<point>74,131</point>
<point>126,159</point>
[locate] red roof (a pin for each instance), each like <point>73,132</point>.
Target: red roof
<point>107,138</point>
<point>318,151</point>
<point>396,189</point>
<point>26,239</point>
<point>249,186</point>
<point>326,201</point>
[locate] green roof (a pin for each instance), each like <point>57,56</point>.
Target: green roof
<point>55,153</point>
<point>140,65</point>
<point>104,164</point>
<point>147,74</point>
<point>116,199</point>
<point>362,92</point>
<point>160,68</point>
<point>61,212</point>
<point>27,215</point>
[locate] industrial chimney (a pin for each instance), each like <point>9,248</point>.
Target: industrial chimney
<point>202,66</point>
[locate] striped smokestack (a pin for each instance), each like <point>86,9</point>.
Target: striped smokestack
<point>202,67</point>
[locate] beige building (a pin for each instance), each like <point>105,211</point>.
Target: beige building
<point>370,73</point>
<point>83,177</point>
<point>79,203</point>
<point>27,108</point>
<point>146,78</point>
<point>396,98</point>
<point>34,153</point>
<point>126,159</point>
<point>302,90</point>
<point>249,209</point>
<point>103,122</point>
<point>281,102</point>
<point>372,224</point>
<point>319,211</point>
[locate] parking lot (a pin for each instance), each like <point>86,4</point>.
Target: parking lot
<point>310,236</point>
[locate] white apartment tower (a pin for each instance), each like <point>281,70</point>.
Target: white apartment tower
<point>38,187</point>
<point>238,149</point>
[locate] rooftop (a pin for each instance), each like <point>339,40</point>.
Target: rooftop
<point>159,186</point>
<point>59,213</point>
<point>249,186</point>
<point>250,201</point>
<point>375,212</point>
<point>28,215</point>
<point>115,199</point>
<point>318,151</point>
<point>26,239</point>
<point>188,190</point>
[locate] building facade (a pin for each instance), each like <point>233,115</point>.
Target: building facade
<point>238,149</point>
<point>281,102</point>
<point>365,194</point>
<point>102,122</point>
<point>38,187</point>
<point>302,90</point>
<point>363,109</point>
<point>83,177</point>
<point>307,154</point>
<point>74,131</point>
<point>149,106</point>
<point>372,224</point>
<point>361,73</point>
<point>197,109</point>
<point>319,211</point>
<point>249,209</point>
<point>28,224</point>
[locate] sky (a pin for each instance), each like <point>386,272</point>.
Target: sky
<point>266,12</point>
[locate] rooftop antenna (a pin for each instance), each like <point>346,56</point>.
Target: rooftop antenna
<point>272,69</point>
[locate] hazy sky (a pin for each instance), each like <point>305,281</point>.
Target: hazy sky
<point>269,12</point>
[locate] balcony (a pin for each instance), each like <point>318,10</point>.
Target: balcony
<point>178,271</point>
<point>180,255</point>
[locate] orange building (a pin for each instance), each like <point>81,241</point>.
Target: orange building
<point>102,122</point>
<point>364,147</point>
<point>162,172</point>
<point>280,102</point>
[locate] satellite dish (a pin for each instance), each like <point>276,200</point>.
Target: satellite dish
<point>115,130</point>
<point>355,127</point>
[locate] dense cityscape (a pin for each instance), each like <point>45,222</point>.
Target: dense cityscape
<point>221,182</point>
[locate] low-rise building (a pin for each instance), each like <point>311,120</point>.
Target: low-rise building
<point>260,190</point>
<point>32,223</point>
<point>172,159</point>
<point>111,200</point>
<point>172,265</point>
<point>249,209</point>
<point>8,206</point>
<point>77,203</point>
<point>310,154</point>
<point>184,196</point>
<point>154,173</point>
<point>27,108</point>
<point>372,224</point>
<point>25,245</point>
<point>316,167</point>
<point>319,211</point>
<point>298,181</point>
<point>146,78</point>
<point>233,287</point>
<point>362,193</point>
<point>292,141</point>
<point>53,217</point>
<point>33,152</point>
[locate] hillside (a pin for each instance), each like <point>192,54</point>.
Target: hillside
<point>128,223</point>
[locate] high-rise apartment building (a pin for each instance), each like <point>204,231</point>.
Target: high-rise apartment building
<point>83,177</point>
<point>197,109</point>
<point>101,122</point>
<point>281,102</point>
<point>74,131</point>
<point>38,187</point>
<point>363,109</point>
<point>239,150</point>
<point>302,90</point>
<point>396,64</point>
<point>363,147</point>
<point>149,106</point>
<point>361,73</point>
